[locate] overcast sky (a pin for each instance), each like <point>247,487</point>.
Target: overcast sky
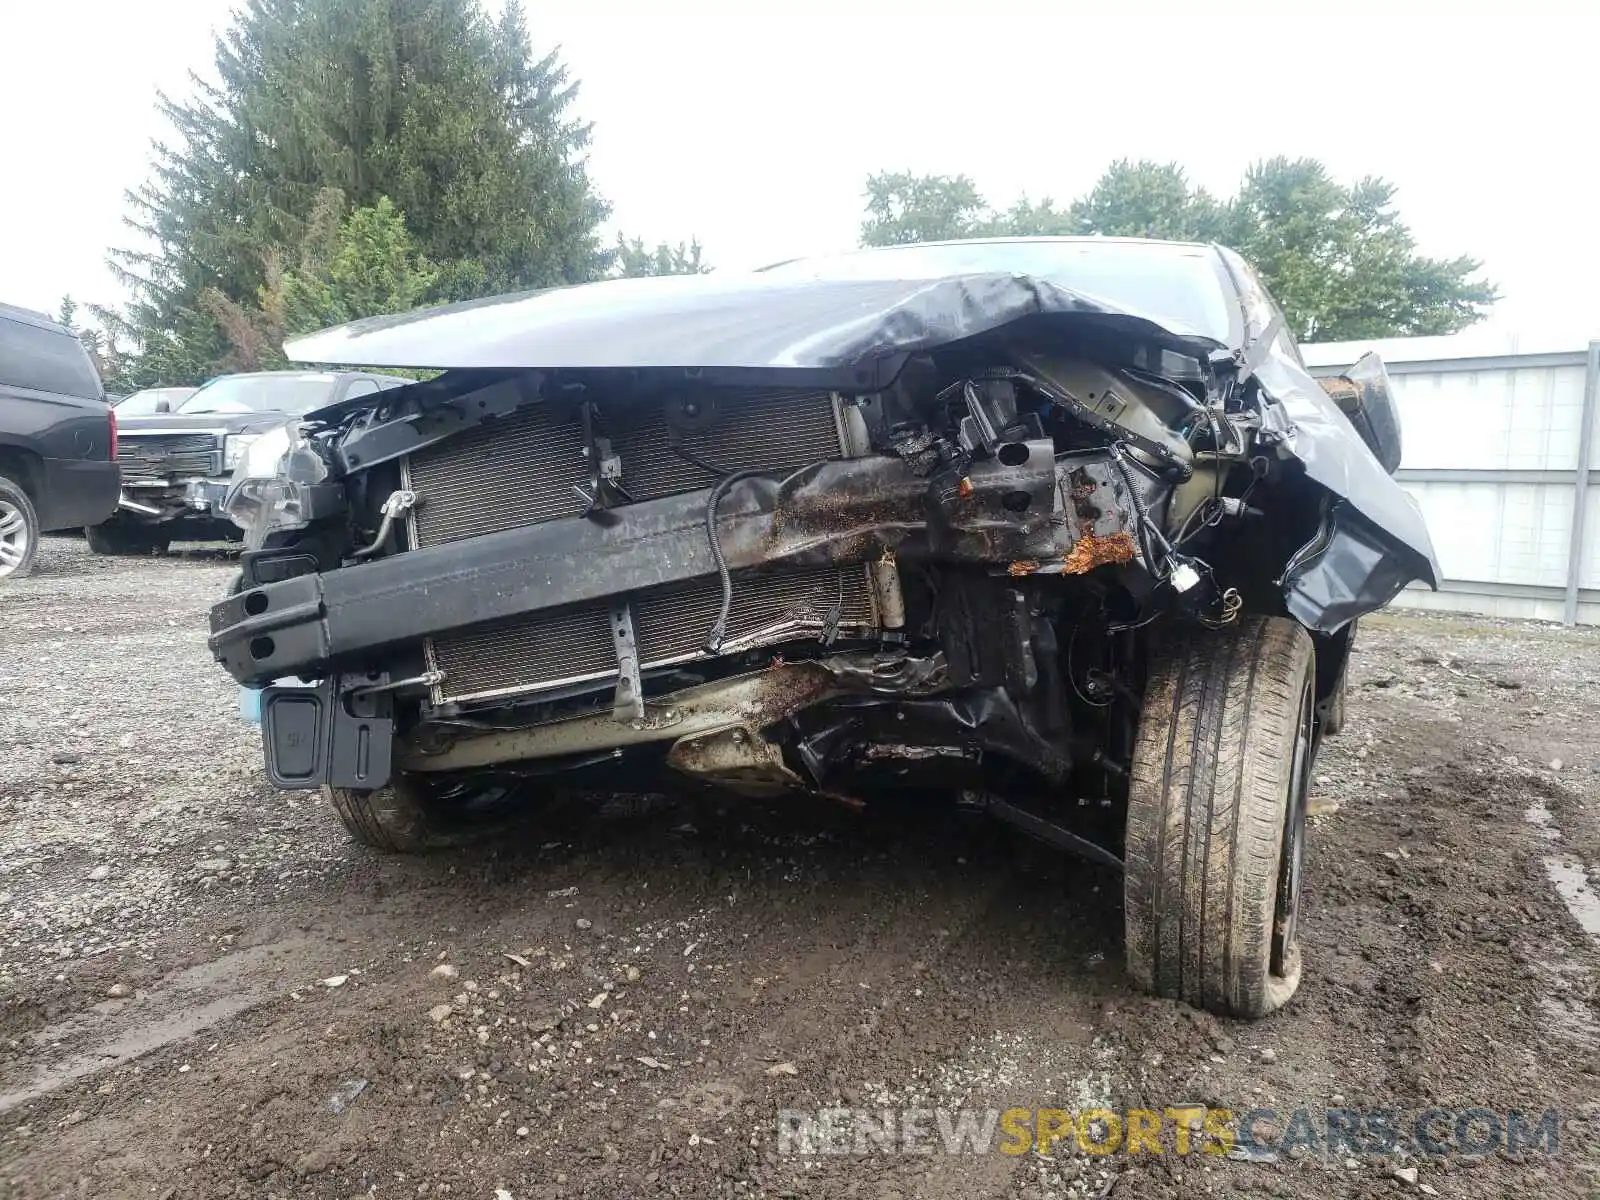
<point>753,125</point>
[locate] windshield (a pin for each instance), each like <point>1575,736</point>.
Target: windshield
<point>261,393</point>
<point>144,404</point>
<point>1174,284</point>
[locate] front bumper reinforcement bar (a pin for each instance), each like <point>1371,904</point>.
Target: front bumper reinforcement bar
<point>1029,516</point>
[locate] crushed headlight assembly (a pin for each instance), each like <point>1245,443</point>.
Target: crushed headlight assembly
<point>277,482</point>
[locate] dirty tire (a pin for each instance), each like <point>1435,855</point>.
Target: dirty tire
<point>1333,714</point>
<point>419,811</point>
<point>1333,711</point>
<point>114,537</point>
<point>397,819</point>
<point>19,530</point>
<point>1216,817</point>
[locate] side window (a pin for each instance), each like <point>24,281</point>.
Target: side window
<point>45,360</point>
<point>361,387</point>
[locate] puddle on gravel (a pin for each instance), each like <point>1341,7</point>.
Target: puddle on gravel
<point>1567,876</point>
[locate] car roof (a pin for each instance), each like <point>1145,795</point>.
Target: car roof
<point>301,373</point>
<point>1086,239</point>
<point>293,372</point>
<point>27,316</point>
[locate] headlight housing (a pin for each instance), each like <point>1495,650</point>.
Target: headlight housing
<point>260,455</point>
<point>235,446</point>
<point>278,484</point>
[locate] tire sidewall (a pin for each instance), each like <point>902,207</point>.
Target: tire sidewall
<point>1208,811</point>
<point>125,538</point>
<point>13,494</point>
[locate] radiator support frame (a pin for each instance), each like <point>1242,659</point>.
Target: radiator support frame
<point>858,612</point>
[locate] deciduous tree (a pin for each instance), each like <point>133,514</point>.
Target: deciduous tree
<point>634,259</point>
<point>1337,257</point>
<point>903,208</point>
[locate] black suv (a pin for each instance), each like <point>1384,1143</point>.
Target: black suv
<point>58,437</point>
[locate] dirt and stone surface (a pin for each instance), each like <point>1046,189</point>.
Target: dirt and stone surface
<point>205,990</point>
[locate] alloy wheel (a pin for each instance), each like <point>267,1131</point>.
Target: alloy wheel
<point>13,538</point>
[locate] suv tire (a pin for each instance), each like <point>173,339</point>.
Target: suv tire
<point>394,818</point>
<point>419,811</point>
<point>116,537</point>
<point>1216,817</point>
<point>19,530</point>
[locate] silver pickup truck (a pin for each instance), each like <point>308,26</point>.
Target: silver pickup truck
<point>178,465</point>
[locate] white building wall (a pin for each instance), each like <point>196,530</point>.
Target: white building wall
<point>1492,434</point>
<point>1499,532</point>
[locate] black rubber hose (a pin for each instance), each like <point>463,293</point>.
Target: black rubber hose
<point>719,631</point>
<point>690,457</point>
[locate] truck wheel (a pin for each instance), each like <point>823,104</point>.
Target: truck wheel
<point>394,819</point>
<point>115,537</point>
<point>19,530</point>
<point>1216,818</point>
<point>415,812</point>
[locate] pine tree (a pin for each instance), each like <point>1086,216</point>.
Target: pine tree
<point>424,102</point>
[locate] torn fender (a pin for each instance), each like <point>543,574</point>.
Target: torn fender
<point>1379,541</point>
<point>1349,570</point>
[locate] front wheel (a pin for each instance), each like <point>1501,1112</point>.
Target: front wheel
<point>398,818</point>
<point>420,811</point>
<point>1216,817</point>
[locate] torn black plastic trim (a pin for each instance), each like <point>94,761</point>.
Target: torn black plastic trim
<point>1347,570</point>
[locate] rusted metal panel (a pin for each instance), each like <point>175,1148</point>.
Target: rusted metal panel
<point>752,702</point>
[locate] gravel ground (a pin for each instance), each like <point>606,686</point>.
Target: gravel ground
<point>206,991</point>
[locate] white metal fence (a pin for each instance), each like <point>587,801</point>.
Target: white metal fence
<point>1500,445</point>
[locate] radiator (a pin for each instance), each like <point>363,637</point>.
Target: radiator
<point>523,470</point>
<point>573,645</point>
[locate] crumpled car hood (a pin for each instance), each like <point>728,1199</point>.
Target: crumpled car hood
<point>769,325</point>
<point>736,320</point>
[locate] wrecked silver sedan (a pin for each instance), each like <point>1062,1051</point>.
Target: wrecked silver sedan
<point>1059,528</point>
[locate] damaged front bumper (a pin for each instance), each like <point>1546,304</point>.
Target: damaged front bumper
<point>165,501</point>
<point>1036,513</point>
